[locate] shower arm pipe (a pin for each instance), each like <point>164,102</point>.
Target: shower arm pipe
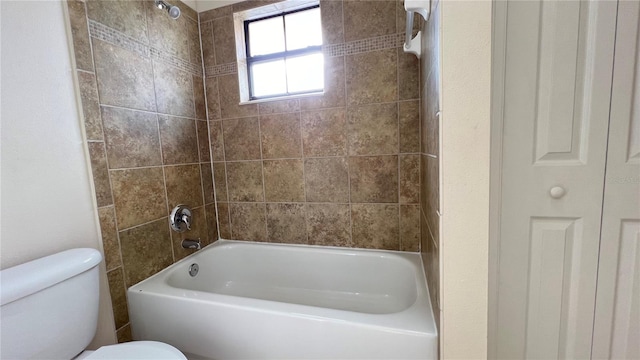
<point>413,45</point>
<point>172,10</point>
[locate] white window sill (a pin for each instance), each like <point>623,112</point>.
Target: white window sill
<point>280,98</point>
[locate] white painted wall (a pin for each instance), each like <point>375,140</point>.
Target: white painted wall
<point>465,154</point>
<point>47,204</point>
<point>204,5</point>
<point>192,4</point>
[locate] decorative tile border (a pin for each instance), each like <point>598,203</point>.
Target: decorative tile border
<point>223,69</point>
<point>364,45</point>
<point>353,47</point>
<point>117,38</point>
<point>114,37</point>
<point>169,59</point>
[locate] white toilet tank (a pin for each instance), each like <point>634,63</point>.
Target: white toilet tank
<point>49,306</point>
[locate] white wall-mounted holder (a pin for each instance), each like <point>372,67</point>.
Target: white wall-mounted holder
<point>422,7</point>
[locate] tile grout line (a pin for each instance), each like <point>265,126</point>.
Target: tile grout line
<point>163,217</point>
<point>157,113</point>
<point>113,269</point>
<point>420,195</point>
<point>399,168</point>
<point>122,327</point>
<point>348,146</point>
<point>149,167</point>
<point>320,157</point>
<point>304,177</point>
<point>164,175</point>
<point>204,200</point>
<point>206,112</point>
<point>319,203</point>
<point>310,110</point>
<point>195,122</point>
<point>420,140</point>
<point>264,192</point>
<point>226,172</point>
<point>87,71</point>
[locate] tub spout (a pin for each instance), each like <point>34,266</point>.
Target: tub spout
<point>191,244</point>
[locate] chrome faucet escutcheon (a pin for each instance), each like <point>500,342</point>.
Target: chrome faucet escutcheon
<point>180,218</point>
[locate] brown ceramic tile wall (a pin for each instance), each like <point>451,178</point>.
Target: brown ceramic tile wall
<point>429,157</point>
<point>142,91</point>
<point>341,169</point>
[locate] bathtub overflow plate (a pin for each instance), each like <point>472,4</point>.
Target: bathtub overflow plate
<point>193,269</point>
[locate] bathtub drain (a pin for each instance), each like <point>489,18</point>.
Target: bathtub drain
<point>193,269</point>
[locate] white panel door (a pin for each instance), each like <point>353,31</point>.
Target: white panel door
<point>617,322</point>
<point>558,73</point>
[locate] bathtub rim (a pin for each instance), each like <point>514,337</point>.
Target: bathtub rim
<point>157,285</point>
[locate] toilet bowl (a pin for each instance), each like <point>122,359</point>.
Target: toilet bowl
<point>49,309</point>
<point>151,350</point>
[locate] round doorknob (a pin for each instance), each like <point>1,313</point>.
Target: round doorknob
<point>557,192</point>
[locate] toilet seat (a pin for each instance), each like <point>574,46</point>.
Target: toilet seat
<point>151,350</point>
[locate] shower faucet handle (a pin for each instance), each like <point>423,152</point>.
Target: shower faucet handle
<point>186,219</point>
<point>180,218</point>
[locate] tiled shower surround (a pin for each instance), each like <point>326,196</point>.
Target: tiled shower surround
<point>429,157</point>
<point>339,169</point>
<point>140,76</point>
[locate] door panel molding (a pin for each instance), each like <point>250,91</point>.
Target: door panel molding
<point>563,78</point>
<point>617,316</point>
<point>554,135</point>
<point>554,257</point>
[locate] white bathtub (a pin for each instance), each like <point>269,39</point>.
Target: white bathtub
<point>268,301</point>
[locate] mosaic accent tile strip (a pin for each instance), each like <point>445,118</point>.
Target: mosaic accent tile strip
<point>223,69</point>
<point>365,45</point>
<point>176,62</point>
<point>115,37</point>
<point>354,47</point>
<point>107,34</point>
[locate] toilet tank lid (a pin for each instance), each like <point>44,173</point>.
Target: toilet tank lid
<point>36,275</point>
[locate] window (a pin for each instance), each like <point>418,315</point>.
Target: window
<point>282,54</point>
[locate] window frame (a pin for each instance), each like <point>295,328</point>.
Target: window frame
<point>244,61</point>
